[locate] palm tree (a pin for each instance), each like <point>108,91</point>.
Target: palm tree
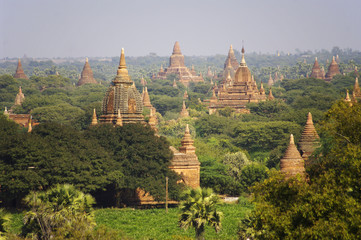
<point>198,209</point>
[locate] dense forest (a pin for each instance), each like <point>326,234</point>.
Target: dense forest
<point>239,153</point>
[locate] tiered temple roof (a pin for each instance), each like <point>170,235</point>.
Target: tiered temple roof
<point>176,66</point>
<point>309,140</point>
<point>146,99</point>
<point>332,70</point>
<point>270,80</point>
<point>185,161</point>
<point>292,163</point>
<point>20,71</point>
<point>242,91</point>
<point>316,71</point>
<point>122,95</point>
<point>86,75</point>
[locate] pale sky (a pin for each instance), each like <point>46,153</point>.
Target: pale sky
<point>94,28</point>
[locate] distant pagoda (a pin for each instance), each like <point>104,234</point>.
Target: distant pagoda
<point>309,140</point>
<point>356,89</point>
<point>20,71</point>
<point>20,97</point>
<point>292,163</point>
<point>86,75</point>
<point>184,112</point>
<point>176,66</point>
<point>122,97</point>
<point>209,73</point>
<point>242,91</point>
<point>270,80</point>
<point>316,71</point>
<point>185,161</point>
<point>232,59</point>
<point>332,70</point>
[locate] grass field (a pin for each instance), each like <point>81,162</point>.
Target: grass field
<point>156,224</point>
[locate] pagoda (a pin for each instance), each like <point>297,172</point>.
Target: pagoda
<point>242,91</point>
<point>309,140</point>
<point>122,97</point>
<point>356,89</point>
<point>185,161</point>
<point>232,59</point>
<point>146,99</point>
<point>270,80</point>
<point>184,113</point>
<point>228,71</point>
<point>332,70</point>
<point>292,163</point>
<point>86,75</point>
<point>176,66</point>
<point>209,73</point>
<point>270,95</point>
<point>316,71</point>
<point>20,97</point>
<point>20,71</point>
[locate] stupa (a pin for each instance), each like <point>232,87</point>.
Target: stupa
<point>20,97</point>
<point>209,73</point>
<point>356,89</point>
<point>270,80</point>
<point>146,99</point>
<point>20,71</point>
<point>185,161</point>
<point>309,140</point>
<point>292,163</point>
<point>232,59</point>
<point>242,91</point>
<point>176,66</point>
<point>86,75</point>
<point>270,95</point>
<point>123,96</point>
<point>332,70</point>
<point>184,112</point>
<point>316,71</point>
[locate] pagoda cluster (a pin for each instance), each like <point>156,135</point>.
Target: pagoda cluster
<point>319,73</point>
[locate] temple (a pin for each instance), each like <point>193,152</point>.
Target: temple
<point>292,163</point>
<point>86,75</point>
<point>270,95</point>
<point>122,97</point>
<point>316,71</point>
<point>309,139</point>
<point>20,97</point>
<point>332,70</point>
<point>209,73</point>
<point>20,71</point>
<point>231,59</point>
<point>185,161</point>
<point>184,113</point>
<point>239,93</point>
<point>356,89</point>
<point>270,80</point>
<point>176,66</point>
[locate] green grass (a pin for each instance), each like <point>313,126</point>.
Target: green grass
<point>155,223</point>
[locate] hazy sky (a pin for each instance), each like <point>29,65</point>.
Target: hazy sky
<point>75,28</point>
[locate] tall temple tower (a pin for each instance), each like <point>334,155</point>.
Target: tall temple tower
<point>242,91</point>
<point>309,140</point>
<point>316,71</point>
<point>332,70</point>
<point>20,71</point>
<point>232,59</point>
<point>123,97</point>
<point>20,97</point>
<point>176,66</point>
<point>185,161</point>
<point>86,75</point>
<point>292,163</point>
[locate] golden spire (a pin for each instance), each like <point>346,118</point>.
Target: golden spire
<point>292,163</point>
<point>270,95</point>
<point>347,98</point>
<point>187,143</point>
<point>243,61</point>
<point>122,72</point>
<point>161,68</point>
<point>119,119</point>
<point>94,118</point>
<point>176,48</point>
<point>86,59</point>
<point>30,128</point>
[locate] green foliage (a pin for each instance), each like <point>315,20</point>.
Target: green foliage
<point>198,209</point>
<point>235,162</point>
<point>251,174</point>
<point>61,212</point>
<point>258,136</point>
<point>5,220</point>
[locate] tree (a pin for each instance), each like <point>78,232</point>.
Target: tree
<point>198,209</point>
<point>59,213</point>
<point>4,223</point>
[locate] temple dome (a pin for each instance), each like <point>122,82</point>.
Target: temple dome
<point>122,96</point>
<point>243,74</point>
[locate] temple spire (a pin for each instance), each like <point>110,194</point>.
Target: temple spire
<point>292,163</point>
<point>243,61</point>
<point>94,118</point>
<point>187,143</point>
<point>347,98</point>
<point>270,95</point>
<point>20,97</point>
<point>184,112</point>
<point>270,80</point>
<point>30,128</point>
<point>20,71</point>
<point>356,88</point>
<point>122,72</point>
<point>176,48</point>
